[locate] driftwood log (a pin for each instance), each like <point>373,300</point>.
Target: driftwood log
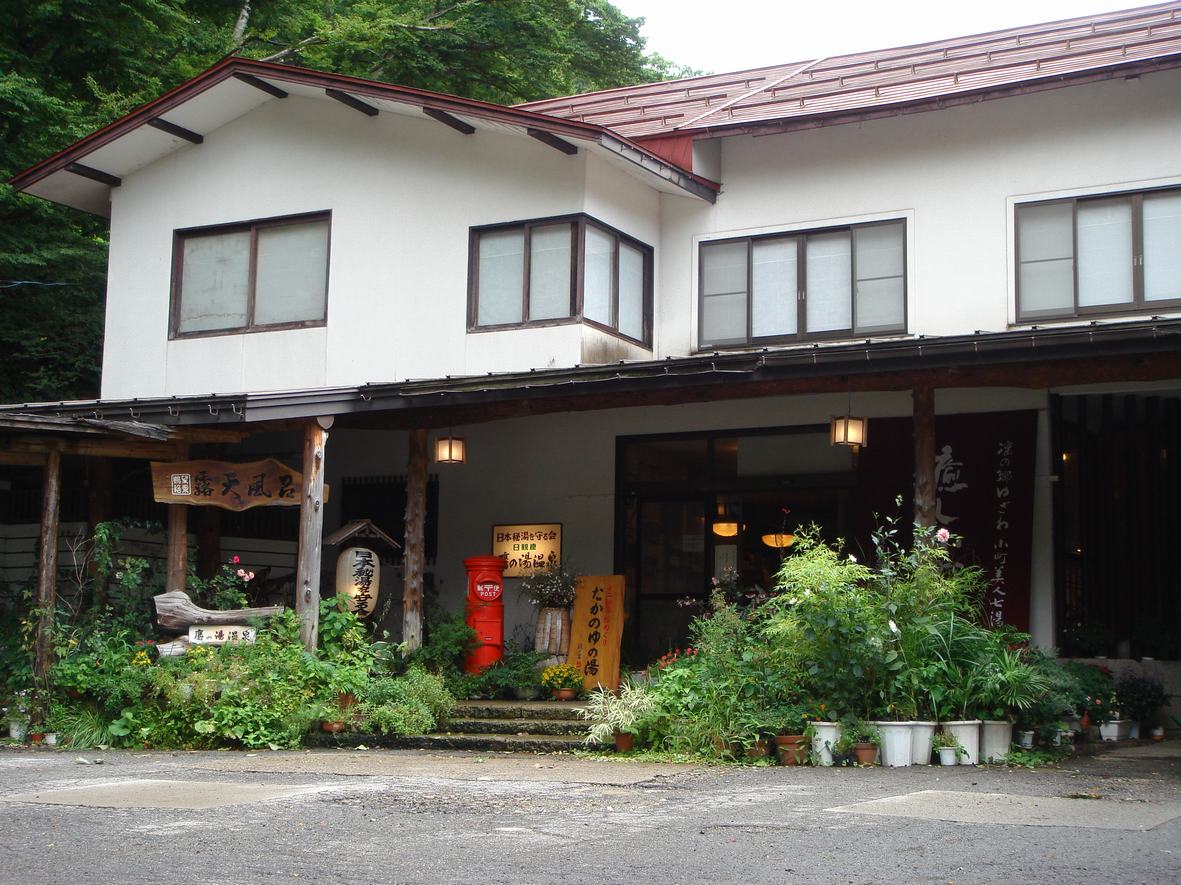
<point>175,611</point>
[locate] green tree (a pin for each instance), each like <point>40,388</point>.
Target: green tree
<point>71,66</point>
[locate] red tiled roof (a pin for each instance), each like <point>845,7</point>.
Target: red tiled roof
<point>801,93</point>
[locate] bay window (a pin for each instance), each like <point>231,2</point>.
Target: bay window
<point>251,276</point>
<point>827,283</point>
<point>1107,254</point>
<point>566,269</point>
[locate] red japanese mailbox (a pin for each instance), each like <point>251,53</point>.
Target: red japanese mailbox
<point>485,610</point>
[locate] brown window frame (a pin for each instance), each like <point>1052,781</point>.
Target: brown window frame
<point>1139,305</point>
<point>180,236</point>
<point>801,334</point>
<point>579,222</point>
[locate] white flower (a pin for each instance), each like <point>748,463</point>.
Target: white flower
<point>894,628</point>
<point>852,558</point>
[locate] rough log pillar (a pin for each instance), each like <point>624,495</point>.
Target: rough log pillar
<point>414,554</point>
<point>47,569</point>
<point>176,559</point>
<point>924,455</point>
<point>311,529</point>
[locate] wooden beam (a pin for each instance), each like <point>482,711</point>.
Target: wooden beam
<point>179,131</point>
<point>311,528</point>
<point>208,541</point>
<point>206,435</point>
<point>98,448</point>
<point>47,570</point>
<point>448,120</point>
<point>924,454</point>
<point>414,554</point>
<point>558,144</point>
<point>176,559</point>
<point>95,174</point>
<point>22,459</point>
<point>262,85</point>
<point>355,103</point>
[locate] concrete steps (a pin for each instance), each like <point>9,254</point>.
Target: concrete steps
<point>492,726</point>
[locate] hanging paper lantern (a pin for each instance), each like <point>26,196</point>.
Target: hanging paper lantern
<point>358,576</point>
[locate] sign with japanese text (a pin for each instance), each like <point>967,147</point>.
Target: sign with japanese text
<point>220,634</point>
<point>596,630</point>
<point>527,549</point>
<point>358,576</point>
<point>230,486</point>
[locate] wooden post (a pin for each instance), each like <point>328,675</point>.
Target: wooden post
<point>176,558</point>
<point>47,569</point>
<point>311,529</point>
<point>99,491</point>
<point>414,554</point>
<point>924,455</point>
<point>208,541</point>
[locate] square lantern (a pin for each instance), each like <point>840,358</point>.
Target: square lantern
<point>847,430</point>
<point>450,450</point>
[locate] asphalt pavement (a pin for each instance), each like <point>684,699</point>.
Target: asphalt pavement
<point>412,816</point>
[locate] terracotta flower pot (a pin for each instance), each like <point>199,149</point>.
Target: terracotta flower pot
<point>625,741</point>
<point>347,699</point>
<point>565,694</point>
<point>332,727</point>
<point>792,749</point>
<point>865,754</point>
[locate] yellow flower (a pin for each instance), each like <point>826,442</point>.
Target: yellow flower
<point>141,659</point>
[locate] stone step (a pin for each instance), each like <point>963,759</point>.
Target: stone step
<point>547,710</point>
<point>515,726</point>
<point>493,743</point>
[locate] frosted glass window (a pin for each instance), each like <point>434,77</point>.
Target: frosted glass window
<point>1104,252</point>
<point>631,291</point>
<point>549,272</point>
<point>828,306</point>
<point>773,287</point>
<point>215,282</point>
<point>291,276</point>
<point>1045,246</point>
<point>1162,246</point>
<point>598,269</point>
<point>502,275</point>
<point>881,292</point>
<point>723,289</point>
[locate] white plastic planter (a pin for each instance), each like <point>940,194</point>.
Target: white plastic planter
<point>996,736</point>
<point>895,746</point>
<point>967,732</point>
<point>1025,739</point>
<point>1115,730</point>
<point>824,739</point>
<point>921,735</point>
<point>17,730</point>
<point>947,756</point>
<point>1134,730</point>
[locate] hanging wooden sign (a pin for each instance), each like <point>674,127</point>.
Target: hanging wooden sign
<point>268,483</point>
<point>597,629</point>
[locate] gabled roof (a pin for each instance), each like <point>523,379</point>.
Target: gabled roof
<point>821,91</point>
<point>83,174</point>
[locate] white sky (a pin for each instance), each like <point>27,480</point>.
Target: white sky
<point>732,35</point>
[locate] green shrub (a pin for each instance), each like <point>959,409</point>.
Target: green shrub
<point>411,704</point>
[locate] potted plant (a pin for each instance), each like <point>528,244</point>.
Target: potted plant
<point>616,717</point>
<point>1009,686</point>
<point>564,681</point>
<point>895,730</point>
<point>824,735</point>
<point>16,711</point>
<point>947,747</point>
<point>1141,697</point>
<point>552,591</point>
<point>863,739</point>
<point>791,742</point>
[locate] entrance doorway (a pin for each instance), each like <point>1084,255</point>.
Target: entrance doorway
<point>725,507</point>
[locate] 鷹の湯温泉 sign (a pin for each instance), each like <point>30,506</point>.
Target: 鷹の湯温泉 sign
<point>528,549</point>
<point>268,483</point>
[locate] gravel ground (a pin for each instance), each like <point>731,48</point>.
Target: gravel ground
<point>412,816</point>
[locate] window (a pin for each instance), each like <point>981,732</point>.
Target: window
<point>814,284</point>
<point>250,277</point>
<point>561,270</point>
<point>1108,254</point>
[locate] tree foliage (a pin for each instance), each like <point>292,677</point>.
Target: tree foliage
<point>68,67</point>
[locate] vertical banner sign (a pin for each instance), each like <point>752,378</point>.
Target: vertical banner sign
<point>984,467</point>
<point>596,630</point>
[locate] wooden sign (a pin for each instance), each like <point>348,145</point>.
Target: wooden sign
<point>220,634</point>
<point>597,629</point>
<point>268,483</point>
<point>528,549</point>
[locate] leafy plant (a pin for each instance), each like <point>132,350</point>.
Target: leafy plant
<point>609,713</point>
<point>1141,697</point>
<point>551,588</point>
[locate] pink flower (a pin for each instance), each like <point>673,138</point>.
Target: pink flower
<point>236,560</point>
<point>250,576</point>
<point>241,573</point>
<point>943,536</point>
